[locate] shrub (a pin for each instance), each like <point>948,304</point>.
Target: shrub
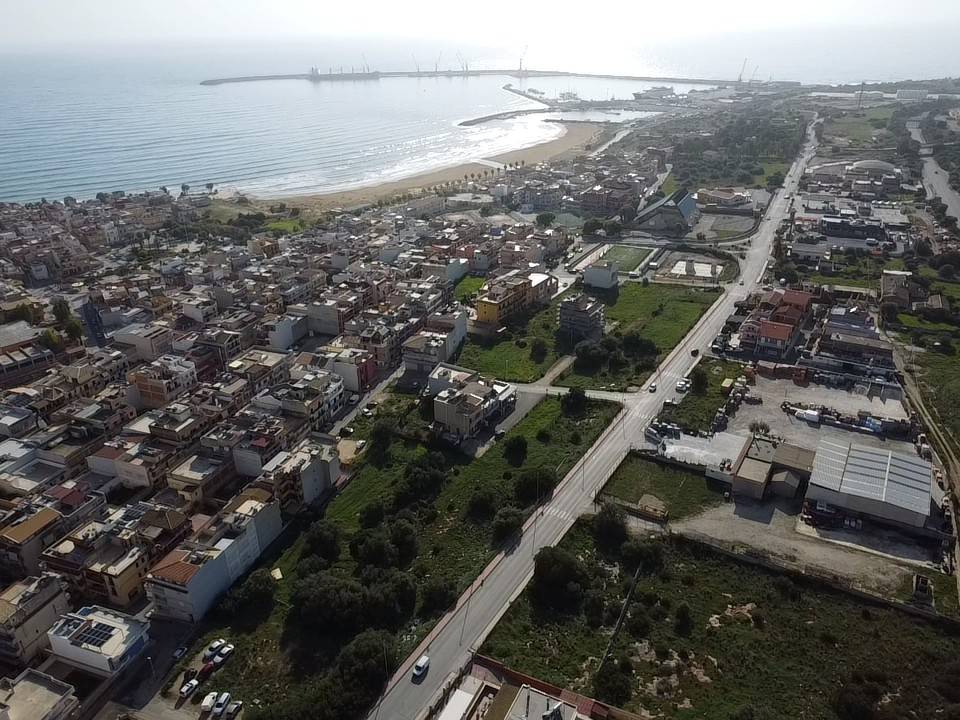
<point>544,436</point>
<point>515,449</point>
<point>610,526</point>
<point>559,580</point>
<point>323,540</point>
<point>684,620</point>
<point>507,522</point>
<point>535,484</point>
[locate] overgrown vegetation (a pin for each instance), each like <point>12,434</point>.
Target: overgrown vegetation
<point>362,585</point>
<point>705,636</point>
<point>697,408</point>
<point>682,492</point>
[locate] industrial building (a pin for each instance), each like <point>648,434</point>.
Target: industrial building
<point>882,485</point>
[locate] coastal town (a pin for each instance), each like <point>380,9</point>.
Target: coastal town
<point>661,424</point>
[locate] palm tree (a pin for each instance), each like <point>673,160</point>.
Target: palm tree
<point>209,187</point>
<point>164,189</point>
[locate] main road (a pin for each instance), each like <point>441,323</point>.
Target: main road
<point>463,629</point>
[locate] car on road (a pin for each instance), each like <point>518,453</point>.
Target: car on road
<point>213,648</point>
<point>683,385</point>
<point>741,282</point>
<point>179,652</point>
<point>354,399</point>
<point>420,667</point>
<point>225,652</point>
<point>653,387</point>
<point>188,687</point>
<point>694,352</point>
<point>234,708</point>
<point>209,700</point>
<point>221,705</point>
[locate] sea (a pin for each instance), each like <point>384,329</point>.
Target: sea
<point>134,118</point>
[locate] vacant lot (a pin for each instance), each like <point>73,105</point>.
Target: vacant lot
<point>513,355</point>
<point>453,544</point>
<point>662,314</point>
<point>627,258</point>
<point>708,637</point>
<point>858,128</point>
<point>696,410</point>
<point>468,287</point>
<point>682,491</point>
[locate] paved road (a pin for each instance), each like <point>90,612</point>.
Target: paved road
<point>464,628</point>
<point>936,180</point>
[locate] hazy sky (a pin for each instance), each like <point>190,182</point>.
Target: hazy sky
<point>96,23</point>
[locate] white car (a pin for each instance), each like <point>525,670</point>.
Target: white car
<point>653,387</point>
<point>213,648</point>
<point>420,667</point>
<point>189,687</point>
<point>225,652</point>
<point>234,708</point>
<point>221,705</point>
<point>208,702</point>
<point>682,385</point>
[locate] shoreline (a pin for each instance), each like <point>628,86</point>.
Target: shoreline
<point>576,136</point>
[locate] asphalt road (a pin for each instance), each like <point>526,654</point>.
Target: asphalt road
<point>936,180</point>
<point>452,641</point>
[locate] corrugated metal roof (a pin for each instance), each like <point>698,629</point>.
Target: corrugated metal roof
<point>874,474</point>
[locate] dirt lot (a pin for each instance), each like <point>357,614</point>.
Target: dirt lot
<point>803,433</point>
<point>771,527</point>
<point>720,227</point>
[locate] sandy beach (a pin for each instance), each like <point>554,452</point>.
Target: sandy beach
<point>572,142</point>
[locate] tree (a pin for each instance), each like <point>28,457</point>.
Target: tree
<point>73,328</point>
<point>612,228</point>
<point>380,437</point>
<point>538,350</point>
<point>637,346</point>
<point>628,213</point>
<point>438,594</point>
<point>367,662</point>
<point>507,522</point>
<point>574,402</point>
<point>612,685</point>
<point>759,427</point>
<point>610,526</point>
<point>590,355</point>
<point>515,449</point>
<point>482,503</point>
<point>373,547</point>
<point>323,540</point>
<point>699,381</point>
<point>559,579</point>
<point>403,537</point>
<point>326,604</point>
<point>645,555</point>
<point>591,226</point>
<point>946,272</point>
<point>61,310</point>
<point>889,311</point>
<point>545,219</point>
<point>51,340</point>
<point>184,189</point>
<point>923,248</point>
<point>390,598</point>
<point>684,620</point>
<point>251,602</point>
<point>22,312</point>
<point>535,484</point>
<point>371,514</point>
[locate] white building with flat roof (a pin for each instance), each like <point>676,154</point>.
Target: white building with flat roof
<point>34,695</point>
<point>98,640</point>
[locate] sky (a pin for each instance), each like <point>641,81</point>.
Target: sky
<point>44,24</point>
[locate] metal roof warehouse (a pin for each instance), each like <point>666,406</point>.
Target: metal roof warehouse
<point>887,485</point>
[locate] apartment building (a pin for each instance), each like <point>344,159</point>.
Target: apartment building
<point>34,695</point>
<point>186,583</point>
<point>28,608</point>
<point>149,341</point>
<point>355,366</point>
<point>262,368</point>
<point>582,318</point>
<point>97,640</point>
<point>302,475</point>
<point>161,381</point>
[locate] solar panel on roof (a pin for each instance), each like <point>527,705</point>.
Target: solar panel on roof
<point>96,634</point>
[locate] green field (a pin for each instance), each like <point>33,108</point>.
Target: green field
<point>696,411</point>
<point>510,356</point>
<point>770,167</point>
<point>792,650</point>
<point>858,129</point>
<point>288,226</point>
<point>663,314</point>
<point>682,491</point>
<point>670,185</point>
<point>627,258</point>
<point>468,287</point>
<point>915,322</point>
<point>453,546</point>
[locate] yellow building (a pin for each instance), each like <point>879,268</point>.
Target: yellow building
<point>504,297</point>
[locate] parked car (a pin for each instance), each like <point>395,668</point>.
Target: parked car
<point>221,705</point>
<point>420,667</point>
<point>225,652</point>
<point>653,387</point>
<point>234,708</point>
<point>213,648</point>
<point>189,687</point>
<point>209,701</point>
<point>207,670</point>
<point>179,652</point>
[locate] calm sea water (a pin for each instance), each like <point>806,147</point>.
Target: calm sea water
<point>138,118</point>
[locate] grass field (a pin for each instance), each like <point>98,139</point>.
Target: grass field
<point>467,287</point>
<point>696,411</point>
<point>683,492</point>
<point>784,649</point>
<point>663,314</point>
<point>770,167</point>
<point>451,545</point>
<point>627,258</point>
<point>669,185</point>
<point>858,129</point>
<point>915,322</point>
<point>511,358</point>
<point>289,226</point>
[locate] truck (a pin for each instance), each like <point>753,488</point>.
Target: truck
<point>811,416</point>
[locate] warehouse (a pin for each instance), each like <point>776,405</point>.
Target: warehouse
<point>883,485</point>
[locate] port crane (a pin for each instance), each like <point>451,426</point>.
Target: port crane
<point>742,68</point>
